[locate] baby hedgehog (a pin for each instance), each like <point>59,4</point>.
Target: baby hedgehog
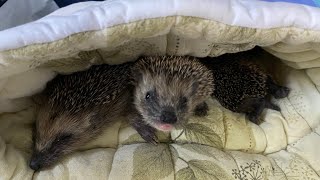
<point>76,108</point>
<point>168,90</point>
<point>241,86</point>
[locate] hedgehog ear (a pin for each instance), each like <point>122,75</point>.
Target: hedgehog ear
<point>194,89</point>
<point>136,75</point>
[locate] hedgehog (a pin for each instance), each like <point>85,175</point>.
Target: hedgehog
<point>168,90</point>
<point>242,86</point>
<point>76,108</point>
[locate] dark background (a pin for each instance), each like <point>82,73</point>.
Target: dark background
<point>62,3</point>
<point>2,2</point>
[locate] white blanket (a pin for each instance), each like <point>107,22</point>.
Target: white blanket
<point>115,31</point>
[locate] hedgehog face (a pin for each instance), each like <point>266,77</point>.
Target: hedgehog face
<point>57,134</point>
<point>166,103</point>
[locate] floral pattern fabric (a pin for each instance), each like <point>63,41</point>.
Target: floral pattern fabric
<point>223,145</point>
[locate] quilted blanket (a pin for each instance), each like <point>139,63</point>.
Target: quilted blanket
<point>223,145</point>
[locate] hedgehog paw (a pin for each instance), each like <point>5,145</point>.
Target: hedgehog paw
<point>282,92</point>
<point>270,105</point>
<point>147,132</point>
<point>253,118</point>
<point>201,109</point>
<point>149,135</point>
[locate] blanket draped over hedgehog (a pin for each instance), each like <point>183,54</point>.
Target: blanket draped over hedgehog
<point>222,145</point>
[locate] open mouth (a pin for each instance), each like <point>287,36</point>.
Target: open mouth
<point>164,127</point>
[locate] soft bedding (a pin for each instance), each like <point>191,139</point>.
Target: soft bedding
<point>315,3</point>
<point>222,145</point>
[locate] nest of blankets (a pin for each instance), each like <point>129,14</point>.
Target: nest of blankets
<point>222,145</point>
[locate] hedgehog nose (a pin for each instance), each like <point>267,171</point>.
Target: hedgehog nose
<point>34,164</point>
<point>168,117</point>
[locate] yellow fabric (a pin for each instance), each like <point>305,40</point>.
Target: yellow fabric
<point>223,145</point>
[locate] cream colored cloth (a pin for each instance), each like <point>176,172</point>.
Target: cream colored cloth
<point>221,146</point>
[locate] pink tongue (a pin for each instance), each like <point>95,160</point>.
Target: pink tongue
<point>166,127</point>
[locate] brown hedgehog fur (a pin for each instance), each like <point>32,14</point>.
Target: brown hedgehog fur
<point>76,108</point>
<point>242,86</point>
<point>168,90</point>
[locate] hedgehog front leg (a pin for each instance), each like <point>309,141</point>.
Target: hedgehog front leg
<point>147,132</point>
<point>270,105</point>
<point>201,109</point>
<point>256,105</point>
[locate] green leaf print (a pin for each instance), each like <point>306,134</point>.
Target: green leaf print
<point>208,170</point>
<point>136,138</point>
<point>203,135</point>
<point>200,149</point>
<point>174,154</point>
<point>152,162</point>
<point>185,174</point>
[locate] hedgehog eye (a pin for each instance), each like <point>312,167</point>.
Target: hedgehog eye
<point>64,137</point>
<point>184,100</point>
<point>151,95</point>
<point>148,95</point>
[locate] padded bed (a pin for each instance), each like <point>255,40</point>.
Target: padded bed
<point>222,145</point>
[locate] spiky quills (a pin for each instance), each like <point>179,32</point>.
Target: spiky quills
<point>236,78</point>
<point>98,85</point>
<point>76,108</point>
<point>177,67</point>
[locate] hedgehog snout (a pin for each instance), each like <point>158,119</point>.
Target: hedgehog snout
<point>35,165</point>
<point>36,162</point>
<point>40,160</point>
<point>168,116</point>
